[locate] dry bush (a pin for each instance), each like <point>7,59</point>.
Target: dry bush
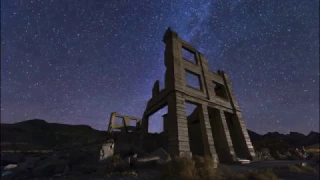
<point>116,160</point>
<point>115,167</point>
<point>206,166</point>
<point>267,174</point>
<point>309,170</point>
<point>294,168</point>
<point>179,168</point>
<point>225,173</point>
<point>184,168</point>
<point>302,169</point>
<point>200,168</point>
<point>127,172</point>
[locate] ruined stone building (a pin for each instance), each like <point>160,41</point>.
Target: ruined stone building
<point>215,127</point>
<point>127,124</point>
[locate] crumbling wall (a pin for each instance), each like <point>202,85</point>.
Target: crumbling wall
<point>128,123</point>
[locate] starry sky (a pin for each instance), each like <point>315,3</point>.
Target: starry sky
<point>76,61</point>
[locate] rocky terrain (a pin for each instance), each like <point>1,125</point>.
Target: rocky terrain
<point>39,135</point>
<point>282,146</point>
<point>37,149</point>
<point>79,164</point>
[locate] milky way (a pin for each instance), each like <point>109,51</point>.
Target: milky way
<point>77,61</point>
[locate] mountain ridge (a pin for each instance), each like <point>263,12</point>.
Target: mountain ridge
<point>40,134</point>
<point>44,121</point>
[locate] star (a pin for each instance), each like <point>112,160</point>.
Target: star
<point>77,62</point>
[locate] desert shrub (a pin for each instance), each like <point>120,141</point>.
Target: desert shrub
<point>294,168</point>
<point>267,174</point>
<point>225,173</point>
<point>302,169</point>
<point>126,172</point>
<point>185,168</point>
<point>115,166</point>
<point>199,168</point>
<point>206,166</point>
<point>179,168</point>
<point>116,160</point>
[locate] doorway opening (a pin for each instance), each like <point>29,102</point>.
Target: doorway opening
<point>194,129</point>
<point>156,137</point>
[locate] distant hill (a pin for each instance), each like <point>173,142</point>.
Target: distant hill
<point>276,141</point>
<point>38,134</point>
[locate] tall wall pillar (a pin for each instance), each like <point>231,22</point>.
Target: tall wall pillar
<point>227,136</point>
<point>178,137</point>
<point>207,137</point>
<point>250,153</point>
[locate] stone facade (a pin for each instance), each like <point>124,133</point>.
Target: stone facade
<point>216,127</point>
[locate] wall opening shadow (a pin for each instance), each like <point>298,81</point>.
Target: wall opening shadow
<point>194,129</point>
<point>219,136</point>
<point>237,137</point>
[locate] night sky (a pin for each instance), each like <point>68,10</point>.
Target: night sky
<point>76,61</point>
